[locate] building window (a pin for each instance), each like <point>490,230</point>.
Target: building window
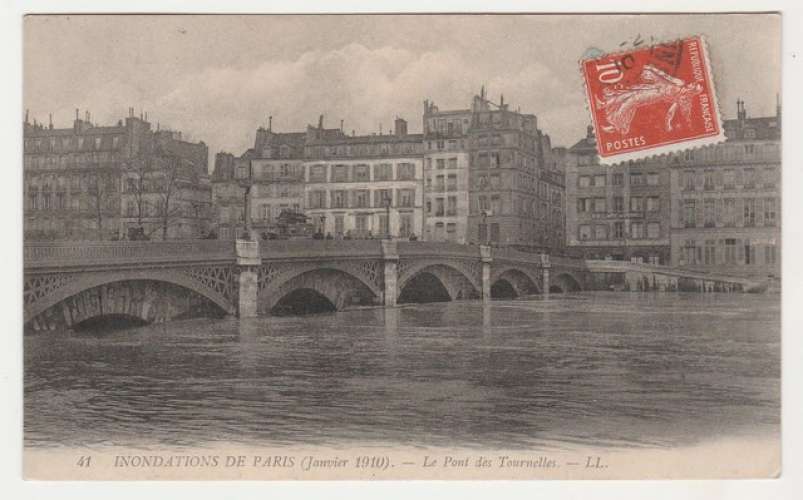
<point>439,209</point>
<point>451,182</point>
<point>406,171</point>
<point>730,251</point>
<point>688,180</point>
<point>406,197</point>
<point>451,205</point>
<point>709,212</point>
<point>770,177</point>
<point>583,205</point>
<point>653,204</point>
<point>340,173</point>
<point>617,179</point>
<point>600,232</point>
<point>494,232</point>
<point>383,172</point>
<point>599,205</point>
<point>690,252</point>
<point>584,181</point>
<point>636,230</point>
<point>452,162</point>
<point>361,225</point>
<point>769,254</point>
<point>361,198</point>
<point>584,232</point>
<point>599,181</point>
<point>710,252</point>
<point>636,179</point>
<point>265,212</point>
<point>730,212</point>
<point>769,211</point>
<point>652,179</point>
<point>361,173</point>
<point>440,163</point>
<point>653,230</point>
<point>618,204</point>
<point>383,198</point>
<point>484,206</point>
<point>749,212</point>
<point>496,204</point>
<point>405,225</point>
<point>618,230</point>
<point>451,231</point>
<point>708,182</point>
<point>317,173</point>
<point>636,204</point>
<point>689,213</point>
<point>317,199</point>
<point>749,178</point>
<point>729,179</point>
<point>339,225</point>
<point>338,199</point>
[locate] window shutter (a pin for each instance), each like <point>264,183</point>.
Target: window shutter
<point>699,208</point>
<point>759,212</point>
<point>719,209</point>
<point>739,212</point>
<point>740,251</point>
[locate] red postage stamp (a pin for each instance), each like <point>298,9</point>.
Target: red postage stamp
<point>652,100</point>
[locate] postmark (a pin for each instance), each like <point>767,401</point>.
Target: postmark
<point>652,100</point>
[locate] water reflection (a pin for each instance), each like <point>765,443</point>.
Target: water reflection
<point>612,369</point>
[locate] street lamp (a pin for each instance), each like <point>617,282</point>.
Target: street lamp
<point>247,183</point>
<point>388,200</point>
<point>485,214</point>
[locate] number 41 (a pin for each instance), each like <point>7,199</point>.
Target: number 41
<point>84,461</point>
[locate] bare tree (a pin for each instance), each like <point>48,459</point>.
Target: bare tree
<point>101,194</point>
<point>138,185</point>
<point>168,186</point>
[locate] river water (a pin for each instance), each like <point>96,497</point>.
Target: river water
<point>606,369</point>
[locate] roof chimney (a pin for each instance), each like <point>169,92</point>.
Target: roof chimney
<point>320,122</point>
<point>76,113</point>
<point>26,115</point>
<point>51,121</point>
<point>270,123</point>
<point>341,125</point>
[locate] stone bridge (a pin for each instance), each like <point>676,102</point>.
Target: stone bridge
<point>66,284</point>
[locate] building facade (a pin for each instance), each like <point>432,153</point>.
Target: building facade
<point>726,200</point>
<point>446,173</point>
<point>507,189</point>
<point>618,212</point>
<point>98,182</point>
<point>715,208</point>
<point>364,186</point>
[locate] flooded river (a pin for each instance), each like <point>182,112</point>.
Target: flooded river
<point>608,369</point>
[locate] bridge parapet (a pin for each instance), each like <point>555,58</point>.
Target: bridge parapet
<point>311,249</point>
<point>430,248</point>
<point>614,266</point>
<point>61,254</point>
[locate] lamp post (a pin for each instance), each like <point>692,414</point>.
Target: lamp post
<point>387,215</point>
<point>247,185</point>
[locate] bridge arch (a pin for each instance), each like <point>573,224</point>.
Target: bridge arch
<point>519,281</point>
<point>337,285</point>
<point>458,282</point>
<point>149,296</point>
<point>565,282</point>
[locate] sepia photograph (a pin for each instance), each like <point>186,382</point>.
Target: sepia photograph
<point>401,246</point>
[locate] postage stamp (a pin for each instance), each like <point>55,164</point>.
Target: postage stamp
<point>652,100</point>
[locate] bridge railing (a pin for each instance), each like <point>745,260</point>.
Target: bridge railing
<point>620,266</point>
<point>304,249</point>
<point>430,248</point>
<point>63,254</point>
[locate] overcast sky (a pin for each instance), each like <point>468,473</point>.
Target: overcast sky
<point>217,78</point>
